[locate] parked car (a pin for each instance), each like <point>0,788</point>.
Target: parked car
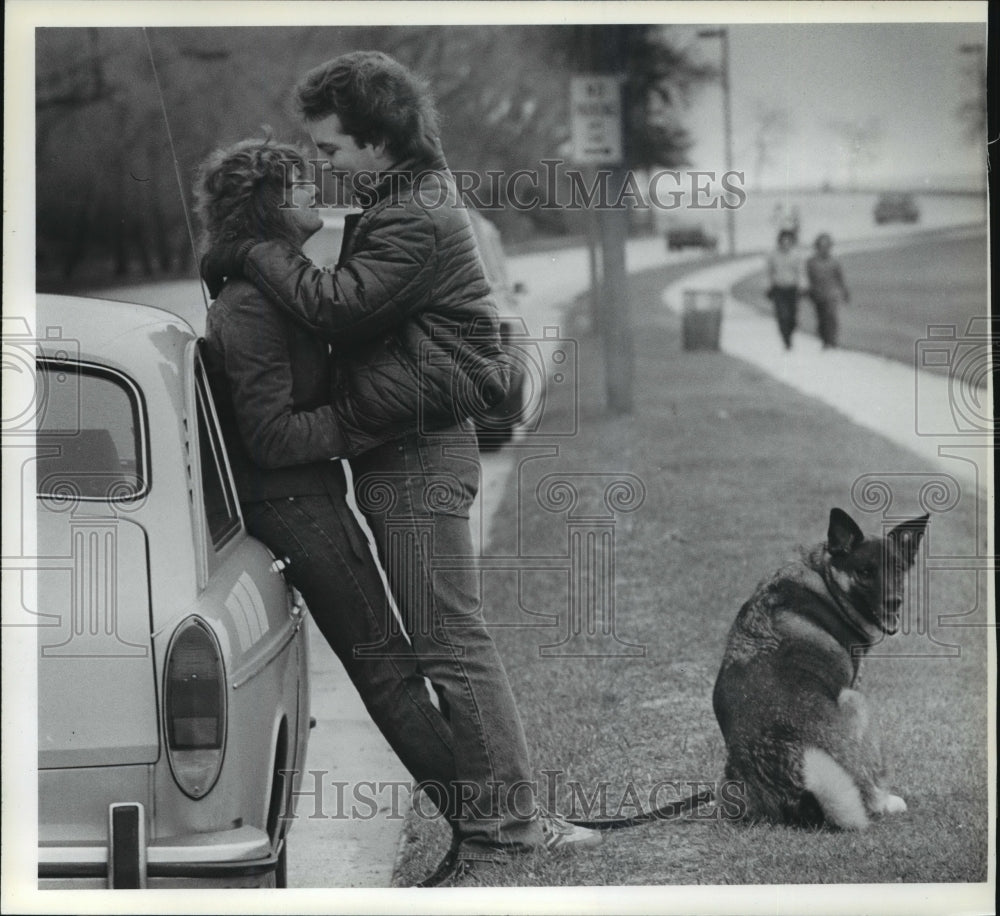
<point>896,208</point>
<point>172,673</point>
<point>679,237</point>
<point>496,427</point>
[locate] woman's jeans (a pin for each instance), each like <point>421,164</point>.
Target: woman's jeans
<point>786,307</point>
<point>471,756</point>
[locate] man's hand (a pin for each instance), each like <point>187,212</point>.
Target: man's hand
<point>224,262</point>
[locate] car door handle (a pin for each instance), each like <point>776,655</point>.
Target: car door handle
<point>297,604</point>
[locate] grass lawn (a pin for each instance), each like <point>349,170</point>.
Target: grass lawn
<point>897,293</point>
<point>737,471</point>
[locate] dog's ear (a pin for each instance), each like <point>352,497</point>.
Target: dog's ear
<point>907,537</point>
<point>843,535</point>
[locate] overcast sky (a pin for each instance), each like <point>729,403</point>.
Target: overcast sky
<point>906,77</point>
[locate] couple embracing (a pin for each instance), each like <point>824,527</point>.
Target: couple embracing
<point>382,362</point>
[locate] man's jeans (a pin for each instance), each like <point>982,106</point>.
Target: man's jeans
<point>416,494</point>
<point>471,757</point>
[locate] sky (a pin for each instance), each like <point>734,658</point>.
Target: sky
<point>907,77</point>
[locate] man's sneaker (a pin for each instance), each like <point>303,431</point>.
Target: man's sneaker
<point>559,834</point>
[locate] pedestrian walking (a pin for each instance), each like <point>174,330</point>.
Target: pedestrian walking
<point>784,271</point>
<point>408,258</point>
<point>827,289</point>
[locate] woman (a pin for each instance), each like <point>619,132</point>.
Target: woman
<point>827,289</point>
<point>288,408</point>
<point>783,270</point>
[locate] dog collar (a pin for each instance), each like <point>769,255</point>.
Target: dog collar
<point>829,614</point>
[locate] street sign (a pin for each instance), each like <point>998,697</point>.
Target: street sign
<point>596,109</point>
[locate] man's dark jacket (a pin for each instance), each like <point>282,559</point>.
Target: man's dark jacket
<point>408,312</point>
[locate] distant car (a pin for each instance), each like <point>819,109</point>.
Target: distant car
<point>679,237</point>
<point>172,673</point>
<point>896,208</point>
<point>496,427</point>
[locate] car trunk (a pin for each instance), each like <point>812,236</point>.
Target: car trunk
<point>97,701</point>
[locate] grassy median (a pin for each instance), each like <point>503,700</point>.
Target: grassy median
<point>736,471</point>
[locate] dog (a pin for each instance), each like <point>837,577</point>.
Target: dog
<point>799,735</point>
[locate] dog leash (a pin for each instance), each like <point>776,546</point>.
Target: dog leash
<point>446,867</point>
<point>665,812</point>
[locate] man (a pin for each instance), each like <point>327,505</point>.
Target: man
<point>410,258</point>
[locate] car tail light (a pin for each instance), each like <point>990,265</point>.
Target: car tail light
<point>195,707</point>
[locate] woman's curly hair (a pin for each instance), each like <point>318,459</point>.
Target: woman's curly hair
<point>239,191</point>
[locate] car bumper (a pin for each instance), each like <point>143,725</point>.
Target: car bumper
<point>239,857</point>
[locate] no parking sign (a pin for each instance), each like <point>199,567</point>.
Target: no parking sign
<point>596,106</point>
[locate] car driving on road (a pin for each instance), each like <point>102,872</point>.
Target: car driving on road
<point>896,208</point>
<point>690,236</point>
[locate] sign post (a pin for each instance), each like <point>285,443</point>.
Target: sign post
<point>598,132</point>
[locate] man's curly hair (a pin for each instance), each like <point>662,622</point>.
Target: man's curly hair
<point>377,100</point>
<point>239,190</point>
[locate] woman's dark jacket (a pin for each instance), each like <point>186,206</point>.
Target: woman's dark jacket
<point>271,384</point>
<point>408,312</point>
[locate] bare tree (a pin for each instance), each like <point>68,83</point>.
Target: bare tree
<point>972,111</point>
<point>107,193</point>
<point>772,128</point>
<point>859,141</point>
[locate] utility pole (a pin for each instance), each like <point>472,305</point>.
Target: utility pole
<point>727,112</point>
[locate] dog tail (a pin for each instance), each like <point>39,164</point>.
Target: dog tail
<point>837,793</point>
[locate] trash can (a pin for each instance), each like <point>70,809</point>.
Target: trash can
<point>702,318</point>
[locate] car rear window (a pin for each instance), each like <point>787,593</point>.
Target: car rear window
<point>90,435</point>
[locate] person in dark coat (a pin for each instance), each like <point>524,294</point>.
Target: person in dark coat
<point>827,289</point>
<point>272,381</point>
<point>409,269</point>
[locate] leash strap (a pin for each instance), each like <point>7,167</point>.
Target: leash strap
<point>663,813</point>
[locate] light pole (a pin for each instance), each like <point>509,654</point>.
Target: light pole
<point>978,49</point>
<point>727,108</point>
